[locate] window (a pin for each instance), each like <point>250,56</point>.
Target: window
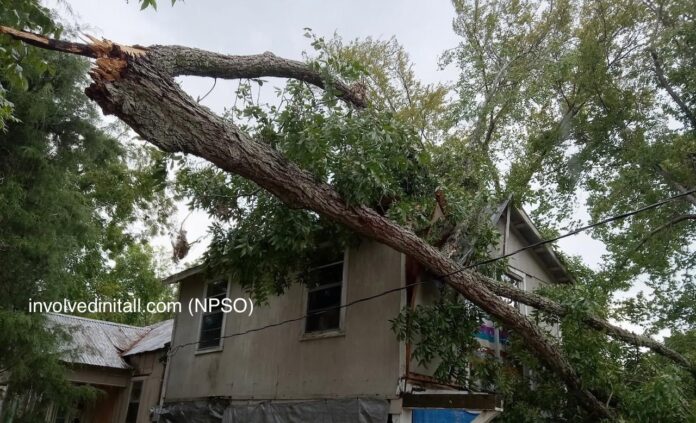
<point>211,320</point>
<point>324,297</point>
<point>513,280</point>
<point>134,401</point>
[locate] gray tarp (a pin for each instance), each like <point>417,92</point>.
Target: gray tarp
<point>351,410</point>
<point>192,411</point>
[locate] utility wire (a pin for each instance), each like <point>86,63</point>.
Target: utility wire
<point>467,267</point>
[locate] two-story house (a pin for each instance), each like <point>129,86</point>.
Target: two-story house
<point>344,365</point>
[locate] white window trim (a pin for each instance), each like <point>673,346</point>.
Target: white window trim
<point>329,333</point>
<point>522,308</point>
<point>221,341</point>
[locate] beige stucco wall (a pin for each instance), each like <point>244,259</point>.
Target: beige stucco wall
<point>278,363</point>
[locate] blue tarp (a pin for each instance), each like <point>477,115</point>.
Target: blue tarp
<point>437,415</point>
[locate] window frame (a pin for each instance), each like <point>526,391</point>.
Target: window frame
<point>326,333</point>
<point>219,347</point>
<point>520,277</point>
<point>141,381</point>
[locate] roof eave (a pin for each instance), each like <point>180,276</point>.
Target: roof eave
<point>178,277</point>
<point>544,253</point>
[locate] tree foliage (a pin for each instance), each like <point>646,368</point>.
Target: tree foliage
<point>76,207</point>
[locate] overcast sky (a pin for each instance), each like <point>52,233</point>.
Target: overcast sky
<point>248,27</point>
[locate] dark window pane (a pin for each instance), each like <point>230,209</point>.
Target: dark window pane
<point>135,390</point>
<point>216,289</point>
<point>326,275</point>
<point>134,404</point>
<point>211,322</point>
<point>212,335</point>
<point>209,340</point>
<point>329,319</point>
<point>208,343</point>
<point>132,415</point>
<point>211,329</point>
<point>323,298</point>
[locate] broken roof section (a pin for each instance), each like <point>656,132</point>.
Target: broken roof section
<point>104,344</point>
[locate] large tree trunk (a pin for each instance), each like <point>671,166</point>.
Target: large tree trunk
<point>137,85</point>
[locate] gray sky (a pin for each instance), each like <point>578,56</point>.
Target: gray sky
<point>248,27</point>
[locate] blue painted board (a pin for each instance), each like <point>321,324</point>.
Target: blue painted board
<point>437,415</point>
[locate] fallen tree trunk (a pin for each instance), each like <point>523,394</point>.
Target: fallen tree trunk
<point>136,84</point>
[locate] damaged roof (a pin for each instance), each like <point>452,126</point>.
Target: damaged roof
<point>101,343</point>
<point>159,335</point>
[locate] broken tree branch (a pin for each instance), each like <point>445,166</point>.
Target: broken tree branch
<point>178,60</point>
<point>48,43</point>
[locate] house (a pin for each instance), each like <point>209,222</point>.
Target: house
<point>121,361</point>
<point>344,365</point>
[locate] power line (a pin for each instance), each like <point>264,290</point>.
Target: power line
<point>467,267</point>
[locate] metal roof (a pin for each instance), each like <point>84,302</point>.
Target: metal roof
<point>159,335</point>
<point>100,343</point>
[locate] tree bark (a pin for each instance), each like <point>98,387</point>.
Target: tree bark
<point>178,60</point>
